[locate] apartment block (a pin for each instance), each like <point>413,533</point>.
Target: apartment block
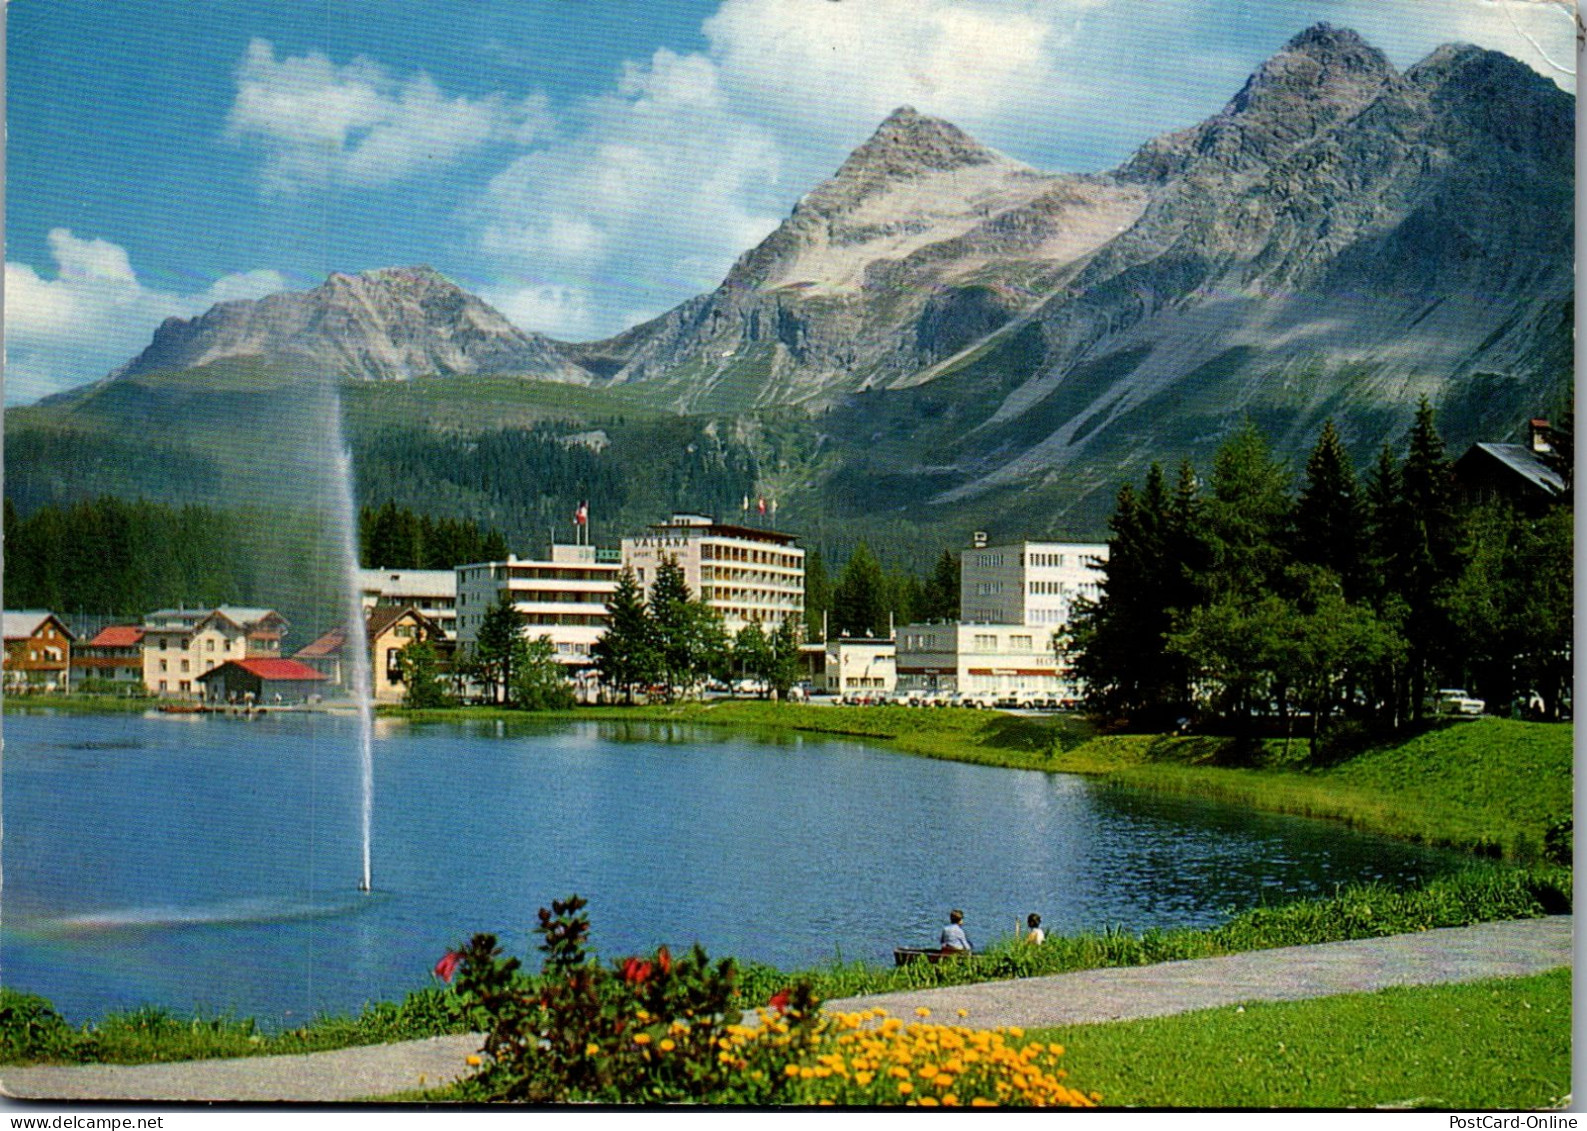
<point>563,597</point>
<point>749,575</point>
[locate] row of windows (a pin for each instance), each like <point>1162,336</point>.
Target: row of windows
<point>988,588</point>
<point>719,553</point>
<point>1049,561</point>
<point>1050,588</point>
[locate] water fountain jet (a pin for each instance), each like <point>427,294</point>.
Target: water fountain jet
<point>356,646</point>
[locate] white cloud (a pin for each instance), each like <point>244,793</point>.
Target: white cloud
<point>973,62</point>
<point>94,314</point>
<point>320,124</point>
<point>648,201</point>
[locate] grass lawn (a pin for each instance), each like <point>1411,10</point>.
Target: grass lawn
<point>1503,1043</point>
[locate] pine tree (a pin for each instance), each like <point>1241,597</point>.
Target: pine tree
<point>1247,518</point>
<point>1328,515</point>
<point>494,647</point>
<point>674,623</point>
<point>625,654</point>
<point>818,595</point>
<point>858,602</point>
<point>940,600</point>
<point>1427,552</point>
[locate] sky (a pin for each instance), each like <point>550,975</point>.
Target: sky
<point>580,166</point>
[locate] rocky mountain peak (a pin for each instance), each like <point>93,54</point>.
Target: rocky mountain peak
<point>1323,76</point>
<point>908,144</point>
<point>387,324</point>
<point>1324,65</point>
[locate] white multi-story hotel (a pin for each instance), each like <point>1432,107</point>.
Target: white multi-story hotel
<point>563,598</point>
<point>1030,583</point>
<point>750,576</point>
<point>432,592</point>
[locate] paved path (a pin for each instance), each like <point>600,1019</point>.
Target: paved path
<point>1449,954</point>
<point>1456,954</point>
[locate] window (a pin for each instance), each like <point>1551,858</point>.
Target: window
<point>187,665</point>
<point>209,645</point>
<point>986,642</point>
<point>164,667</point>
<point>1019,643</point>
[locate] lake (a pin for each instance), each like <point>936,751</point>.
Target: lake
<point>211,863</point>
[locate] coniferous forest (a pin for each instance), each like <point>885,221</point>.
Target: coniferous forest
<point>1237,602</point>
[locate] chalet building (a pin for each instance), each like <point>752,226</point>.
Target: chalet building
<point>1520,474</point>
<point>113,659</point>
<point>389,632</point>
<point>267,681</point>
<point>38,652</point>
<point>180,645</point>
<point>563,597</point>
<point>749,575</point>
<point>432,592</point>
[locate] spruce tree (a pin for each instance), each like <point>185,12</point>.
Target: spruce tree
<point>1427,555</point>
<point>858,602</point>
<point>1328,515</point>
<point>818,595</point>
<point>940,600</point>
<point>625,654</point>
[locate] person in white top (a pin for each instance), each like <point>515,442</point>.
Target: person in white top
<point>1036,936</point>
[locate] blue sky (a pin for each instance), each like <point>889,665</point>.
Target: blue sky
<point>582,166</point>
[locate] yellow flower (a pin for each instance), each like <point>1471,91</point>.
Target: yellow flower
<point>641,1038</point>
<point>928,1101</point>
<point>964,1013</point>
<point>943,1080</point>
<point>472,1061</point>
<point>905,1088</point>
<point>592,1049</point>
<point>790,1070</point>
<point>667,1044</point>
<point>922,1012</point>
<point>1056,1050</point>
<point>864,1078</point>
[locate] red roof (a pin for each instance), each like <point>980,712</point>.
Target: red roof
<point>117,636</point>
<point>270,669</point>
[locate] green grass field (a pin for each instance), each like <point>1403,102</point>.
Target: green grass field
<point>1500,1044</point>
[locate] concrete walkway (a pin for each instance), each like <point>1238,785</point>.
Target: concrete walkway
<point>1456,954</point>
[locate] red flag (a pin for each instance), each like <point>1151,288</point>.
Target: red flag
<point>763,504</point>
<point>448,965</point>
<point>581,517</point>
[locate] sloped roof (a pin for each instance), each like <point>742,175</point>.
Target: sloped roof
<point>22,623</point>
<point>117,636</point>
<point>329,644</point>
<point>1522,460</point>
<point>384,616</point>
<point>269,669</point>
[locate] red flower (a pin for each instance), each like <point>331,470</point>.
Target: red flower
<point>448,965</point>
<point>636,971</point>
<point>779,1001</point>
<point>664,960</point>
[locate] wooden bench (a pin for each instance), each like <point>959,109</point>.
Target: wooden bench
<point>903,955</point>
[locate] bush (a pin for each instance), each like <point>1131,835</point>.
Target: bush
<point>31,1030</point>
<point>662,1030</point>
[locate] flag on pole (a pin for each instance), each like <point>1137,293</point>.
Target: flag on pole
<point>581,517</point>
<point>774,507</point>
<point>763,504</point>
<point>746,504</point>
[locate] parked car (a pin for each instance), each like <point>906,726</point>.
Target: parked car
<point>1454,701</point>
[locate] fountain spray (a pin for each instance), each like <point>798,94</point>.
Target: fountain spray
<point>356,646</point>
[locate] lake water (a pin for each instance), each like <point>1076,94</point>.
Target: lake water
<point>211,863</point>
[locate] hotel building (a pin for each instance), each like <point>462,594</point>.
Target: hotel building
<point>748,575</point>
<point>563,597</point>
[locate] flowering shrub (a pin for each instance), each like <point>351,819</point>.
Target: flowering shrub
<point>867,1059</point>
<point>660,1029</point>
<point>642,1030</point>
